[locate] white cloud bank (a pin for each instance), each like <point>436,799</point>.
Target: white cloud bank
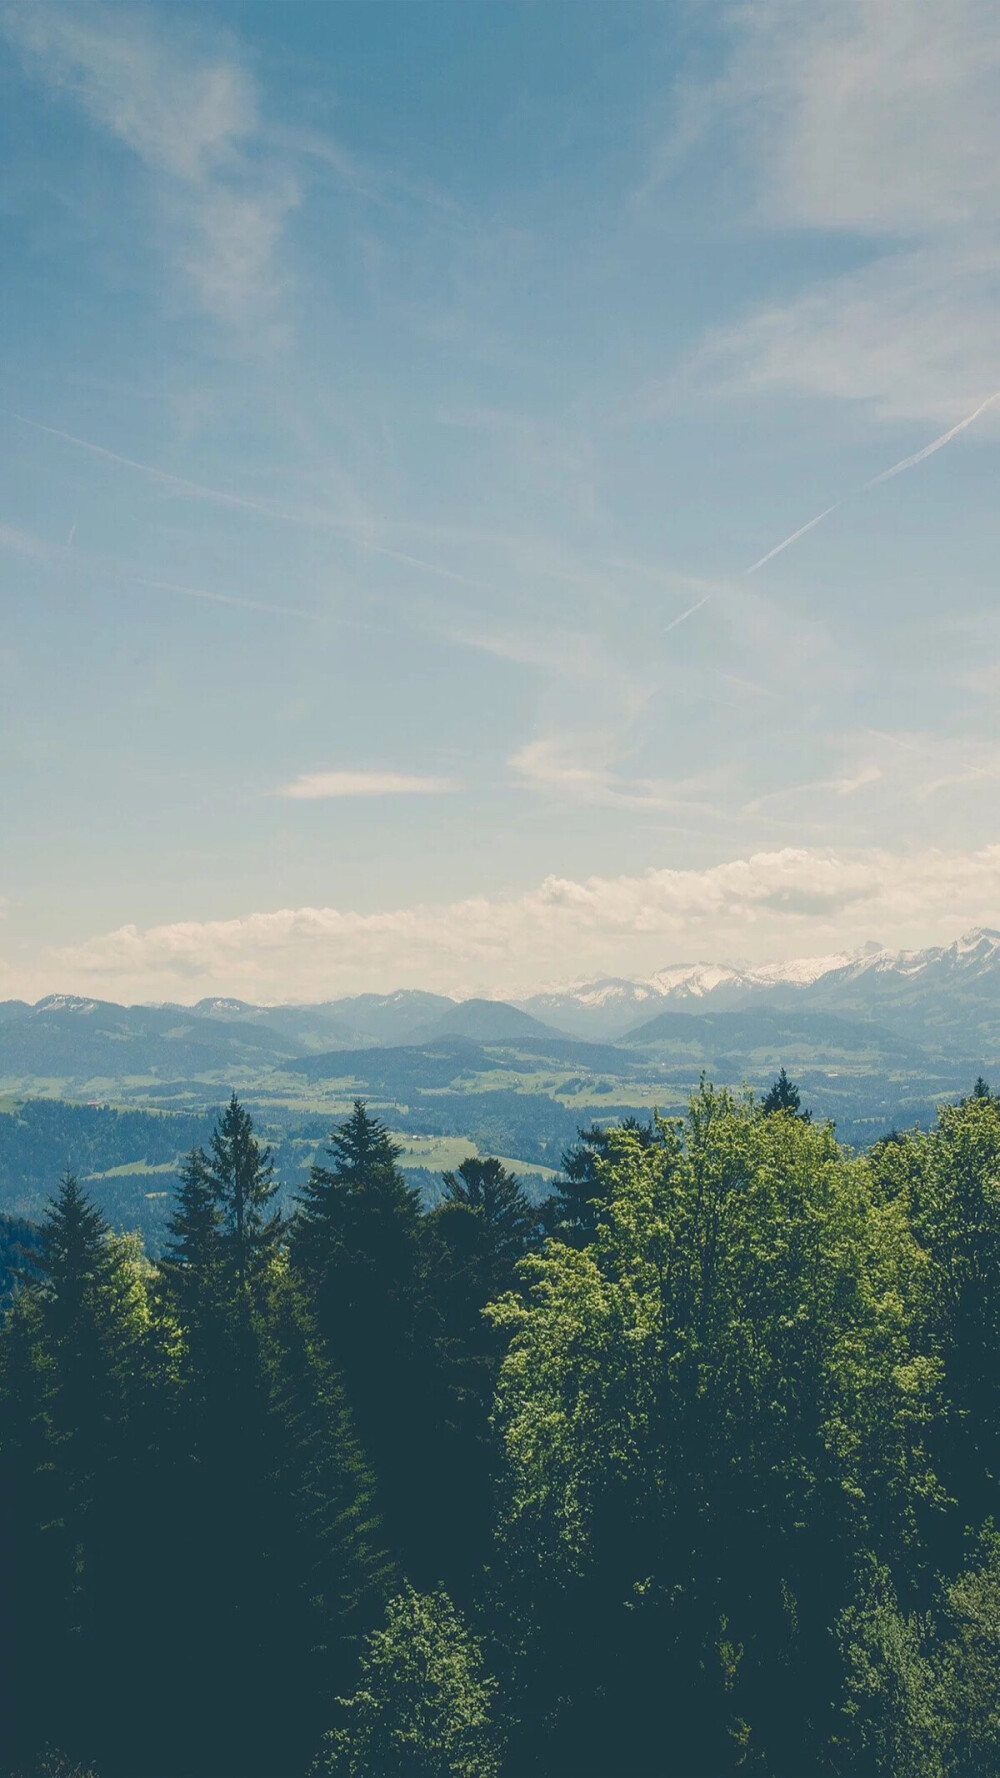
<point>768,906</point>
<point>310,786</point>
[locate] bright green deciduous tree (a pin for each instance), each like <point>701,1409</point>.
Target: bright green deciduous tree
<point>708,1415</point>
<point>424,1707</point>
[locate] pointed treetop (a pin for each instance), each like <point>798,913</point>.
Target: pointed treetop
<point>361,1143</point>
<point>491,1192</point>
<point>784,1095</point>
<point>72,1240</point>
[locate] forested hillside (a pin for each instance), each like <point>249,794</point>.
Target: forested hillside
<point>691,1470</point>
<point>879,1043</point>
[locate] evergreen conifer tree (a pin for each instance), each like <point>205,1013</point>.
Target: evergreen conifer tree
<point>784,1095</point>
<point>511,1221</point>
<point>75,1361</point>
<point>34,1555</point>
<point>472,1243</point>
<point>192,1261</point>
<point>354,1243</point>
<point>579,1204</point>
<point>73,1262</point>
<point>359,1205</point>
<point>322,1575</point>
<point>241,1174</point>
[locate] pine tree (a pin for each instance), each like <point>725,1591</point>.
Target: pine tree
<point>784,1095</point>
<point>355,1230</point>
<point>579,1204</point>
<point>361,1199</point>
<point>73,1261</point>
<point>34,1554</point>
<point>242,1177</point>
<point>497,1196</point>
<point>471,1244</point>
<point>354,1243</point>
<point>215,1279</point>
<point>323,1574</point>
<point>76,1377</point>
<point>192,1261</point>
<point>75,1265</point>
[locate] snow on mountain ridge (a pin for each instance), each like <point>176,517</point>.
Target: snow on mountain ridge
<point>606,1003</point>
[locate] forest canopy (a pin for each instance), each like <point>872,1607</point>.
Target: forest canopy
<point>690,1470</point>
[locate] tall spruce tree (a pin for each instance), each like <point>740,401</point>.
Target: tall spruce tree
<point>76,1361</point>
<point>510,1220</point>
<point>355,1243</point>
<point>272,1525</point>
<point>242,1177</point>
<point>471,1244</point>
<point>360,1202</point>
<point>323,1574</point>
<point>192,1263</point>
<point>579,1204</point>
<point>784,1095</point>
<point>34,1553</point>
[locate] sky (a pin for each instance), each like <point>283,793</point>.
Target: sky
<point>402,406</point>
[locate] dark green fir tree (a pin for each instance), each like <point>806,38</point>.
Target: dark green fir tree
<point>355,1245</point>
<point>784,1095</point>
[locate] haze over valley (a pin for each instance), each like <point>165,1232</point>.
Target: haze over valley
<point>875,1041</point>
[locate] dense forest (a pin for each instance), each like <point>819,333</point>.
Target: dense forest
<point>690,1470</point>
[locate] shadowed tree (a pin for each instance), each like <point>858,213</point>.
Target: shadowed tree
<point>354,1242</point>
<point>192,1263</point>
<point>784,1095</point>
<point>78,1372</point>
<point>472,1243</point>
<point>242,1179</point>
<point>579,1203</point>
<point>273,1526</point>
<point>511,1220</point>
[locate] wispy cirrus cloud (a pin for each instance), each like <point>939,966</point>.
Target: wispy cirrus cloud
<point>871,120</point>
<point>312,786</point>
<point>576,769</point>
<point>187,108</point>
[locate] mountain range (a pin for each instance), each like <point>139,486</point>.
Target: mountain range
<point>943,1002</point>
<point>943,992</point>
<point>875,1040</point>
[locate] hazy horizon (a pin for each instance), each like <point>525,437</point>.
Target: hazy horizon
<point>659,980</point>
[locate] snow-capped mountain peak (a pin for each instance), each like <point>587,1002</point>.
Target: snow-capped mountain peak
<point>864,979</point>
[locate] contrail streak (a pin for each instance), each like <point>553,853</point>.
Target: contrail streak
<point>160,475</point>
<point>788,541</point>
<point>241,604</point>
<point>243,502</point>
<point>885,475</point>
<point>928,450</point>
<point>686,614</point>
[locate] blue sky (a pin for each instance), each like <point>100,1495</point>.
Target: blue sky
<point>394,397</point>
